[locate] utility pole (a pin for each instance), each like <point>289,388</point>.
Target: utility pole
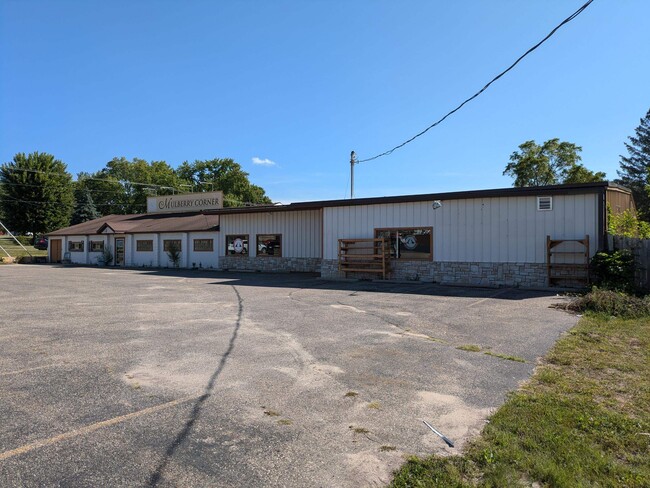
<point>353,161</point>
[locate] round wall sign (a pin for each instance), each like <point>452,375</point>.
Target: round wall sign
<point>238,245</point>
<point>410,242</point>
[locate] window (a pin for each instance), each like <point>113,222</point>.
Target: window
<point>144,246</point>
<point>237,245</point>
<point>201,245</point>
<point>408,242</point>
<point>544,203</point>
<point>269,245</point>
<point>96,246</point>
<point>167,243</point>
<point>76,246</point>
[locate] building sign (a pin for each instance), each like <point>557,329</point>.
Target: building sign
<point>188,202</point>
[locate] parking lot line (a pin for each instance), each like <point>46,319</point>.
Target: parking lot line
<point>92,427</point>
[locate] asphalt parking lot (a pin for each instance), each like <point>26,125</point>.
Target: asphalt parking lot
<point>160,378</point>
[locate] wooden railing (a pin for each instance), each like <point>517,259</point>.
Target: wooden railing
<point>567,266</point>
<point>364,256</point>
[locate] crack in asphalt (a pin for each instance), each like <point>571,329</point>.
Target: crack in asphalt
<point>198,405</point>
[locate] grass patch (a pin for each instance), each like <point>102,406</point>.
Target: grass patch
<point>507,357</point>
<point>284,422</point>
<point>16,251</point>
<point>580,421</point>
<point>387,448</point>
<point>359,430</point>
<point>374,405</point>
<point>350,394</point>
<point>271,413</point>
<point>469,348</point>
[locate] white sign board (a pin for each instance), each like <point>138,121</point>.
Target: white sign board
<point>187,202</point>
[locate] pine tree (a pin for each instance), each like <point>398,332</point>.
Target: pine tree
<point>84,209</point>
<point>635,168</point>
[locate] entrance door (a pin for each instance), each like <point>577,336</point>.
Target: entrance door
<point>55,250</point>
<point>119,251</point>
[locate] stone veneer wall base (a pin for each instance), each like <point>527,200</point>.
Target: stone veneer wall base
<point>270,264</point>
<point>525,275</point>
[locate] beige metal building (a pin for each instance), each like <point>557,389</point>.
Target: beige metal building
<point>532,237</point>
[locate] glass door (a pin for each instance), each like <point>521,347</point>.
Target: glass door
<point>119,251</point>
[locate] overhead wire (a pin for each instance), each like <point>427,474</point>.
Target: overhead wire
<point>548,36</point>
<point>120,182</point>
<point>38,202</point>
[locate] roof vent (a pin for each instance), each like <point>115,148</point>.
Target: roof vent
<point>544,203</point>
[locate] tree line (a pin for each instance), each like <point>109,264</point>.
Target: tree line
<point>38,194</point>
<point>556,162</point>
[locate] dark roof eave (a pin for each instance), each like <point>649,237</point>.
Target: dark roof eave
<point>174,231</point>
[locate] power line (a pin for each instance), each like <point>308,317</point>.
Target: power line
<point>37,202</point>
<point>108,180</point>
<point>115,204</point>
<point>131,205</point>
<point>119,182</point>
<point>11,183</point>
<point>565,21</point>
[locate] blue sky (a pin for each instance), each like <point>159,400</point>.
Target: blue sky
<point>299,84</point>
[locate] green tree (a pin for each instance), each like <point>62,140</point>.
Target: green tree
<point>635,167</point>
<point>225,175</point>
<point>579,174</point>
<point>122,186</point>
<point>84,208</point>
<point>37,193</point>
<point>552,163</point>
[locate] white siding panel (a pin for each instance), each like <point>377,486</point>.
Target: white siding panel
<point>77,257</point>
<point>163,258</point>
<point>144,258</point>
<point>93,257</point>
<point>301,231</point>
<point>500,229</point>
<point>204,259</point>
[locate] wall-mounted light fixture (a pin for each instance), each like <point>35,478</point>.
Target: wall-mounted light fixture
<point>436,204</point>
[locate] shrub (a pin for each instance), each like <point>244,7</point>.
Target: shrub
<point>614,270</point>
<point>612,303</point>
<point>627,224</point>
<point>174,254</point>
<point>107,254</point>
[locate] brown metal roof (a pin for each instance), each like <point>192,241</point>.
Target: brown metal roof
<point>571,189</point>
<point>143,223</point>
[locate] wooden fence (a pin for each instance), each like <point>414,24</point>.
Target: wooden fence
<point>641,250</point>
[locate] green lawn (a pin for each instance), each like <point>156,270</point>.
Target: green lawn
<point>583,420</point>
<point>9,245</point>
